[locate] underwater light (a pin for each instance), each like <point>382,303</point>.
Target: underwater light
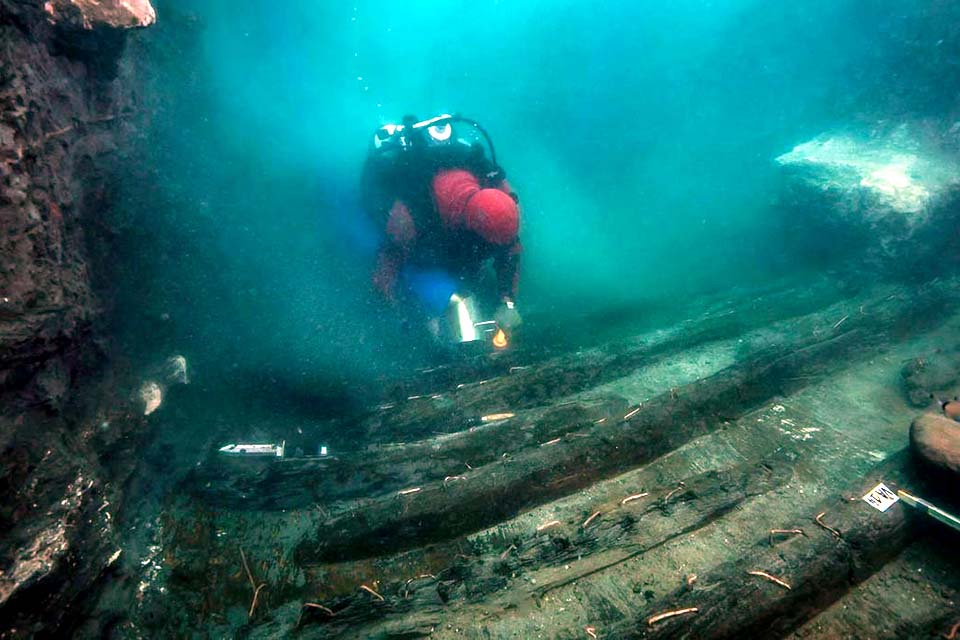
<point>462,319</point>
<point>500,339</point>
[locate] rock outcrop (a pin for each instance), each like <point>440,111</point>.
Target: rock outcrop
<point>64,454</point>
<point>61,117</point>
<point>89,14</point>
<point>888,194</point>
<point>929,377</point>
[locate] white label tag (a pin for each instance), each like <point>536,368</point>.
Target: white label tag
<point>881,497</point>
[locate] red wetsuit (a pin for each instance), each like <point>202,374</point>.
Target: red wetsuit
<point>450,218</point>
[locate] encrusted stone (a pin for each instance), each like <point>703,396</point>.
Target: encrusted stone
<point>936,440</point>
<point>89,14</point>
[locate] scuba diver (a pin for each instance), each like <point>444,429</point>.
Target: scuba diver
<point>447,210</point>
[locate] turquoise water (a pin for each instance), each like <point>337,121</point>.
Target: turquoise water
<point>640,136</point>
<point>658,151</point>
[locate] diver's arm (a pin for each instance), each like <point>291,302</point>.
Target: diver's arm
<point>507,266</point>
<point>401,234</point>
<point>507,261</point>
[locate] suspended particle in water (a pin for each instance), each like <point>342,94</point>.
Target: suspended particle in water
<point>175,370</point>
<point>152,397</point>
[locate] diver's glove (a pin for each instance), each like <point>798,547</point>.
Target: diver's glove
<point>507,316</point>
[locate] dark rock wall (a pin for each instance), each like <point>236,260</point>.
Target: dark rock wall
<point>59,123</point>
<point>67,436</point>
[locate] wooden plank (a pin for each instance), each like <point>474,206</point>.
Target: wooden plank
<point>623,530</point>
<point>502,489</point>
<point>819,568</point>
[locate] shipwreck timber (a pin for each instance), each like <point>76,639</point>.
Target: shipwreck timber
<point>563,514</point>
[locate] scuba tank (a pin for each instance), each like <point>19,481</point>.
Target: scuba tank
<point>436,132</point>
